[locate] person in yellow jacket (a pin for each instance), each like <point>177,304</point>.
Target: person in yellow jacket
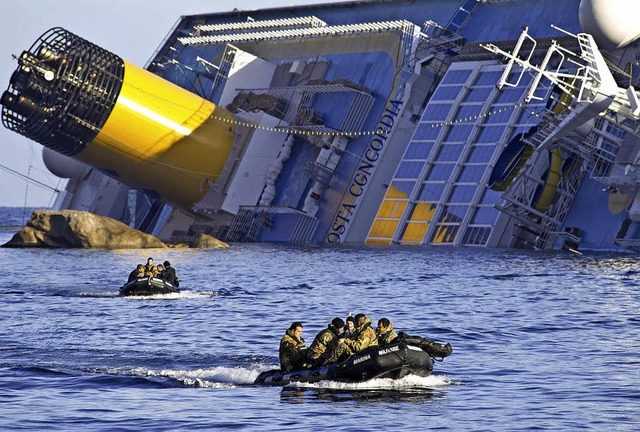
<point>292,348</point>
<point>364,337</point>
<point>325,342</point>
<point>150,268</point>
<point>385,333</point>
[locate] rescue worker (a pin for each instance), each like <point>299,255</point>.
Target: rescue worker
<point>149,268</point>
<point>159,271</point>
<point>137,273</point>
<point>385,332</point>
<point>169,274</point>
<point>292,348</point>
<point>324,343</point>
<point>350,327</point>
<point>363,337</point>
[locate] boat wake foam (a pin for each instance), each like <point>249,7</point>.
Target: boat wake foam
<point>214,377</point>
<point>240,376</point>
<point>408,382</point>
<point>186,294</point>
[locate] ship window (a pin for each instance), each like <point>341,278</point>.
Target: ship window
<point>485,216</point>
<point>445,234</point>
<point>414,232</point>
<point>446,93</point>
<point>481,154</point>
<point>437,111</point>
<point>457,77</point>
<point>400,189</point>
<point>382,229</point>
<point>468,113</point>
<point>449,152</point>
<point>409,170</point>
<point>427,131</point>
<point>418,150</point>
<point>491,197</point>
<point>609,146</point>
<point>490,134</point>
<point>478,94</point>
<point>391,209</point>
<point>488,78</point>
<point>509,95</point>
<point>453,214</point>
<point>476,236</point>
<point>459,133</point>
<point>441,171</point>
<point>462,193</point>
<point>431,192</point>
<point>422,212</point>
<point>615,131</point>
<point>499,115</point>
<point>472,173</point>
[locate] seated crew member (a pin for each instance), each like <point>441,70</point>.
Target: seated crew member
<point>149,268</point>
<point>169,274</point>
<point>363,337</point>
<point>385,332</point>
<point>325,342</point>
<point>138,272</point>
<point>292,351</point>
<point>349,328</point>
<point>159,271</point>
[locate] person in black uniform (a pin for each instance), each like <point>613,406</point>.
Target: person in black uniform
<point>169,274</point>
<point>138,272</point>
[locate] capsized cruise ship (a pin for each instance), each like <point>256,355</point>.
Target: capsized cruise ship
<point>487,123</point>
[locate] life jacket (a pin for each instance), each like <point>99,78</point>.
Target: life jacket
<point>387,337</point>
<point>364,337</point>
<point>325,342</point>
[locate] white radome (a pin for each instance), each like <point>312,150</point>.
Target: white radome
<point>612,23</point>
<point>63,166</point>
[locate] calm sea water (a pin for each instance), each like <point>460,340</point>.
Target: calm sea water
<point>542,341</point>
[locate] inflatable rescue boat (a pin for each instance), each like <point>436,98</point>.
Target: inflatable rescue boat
<point>407,355</point>
<point>147,286</point>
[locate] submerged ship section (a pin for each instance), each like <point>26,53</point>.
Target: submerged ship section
<point>378,122</point>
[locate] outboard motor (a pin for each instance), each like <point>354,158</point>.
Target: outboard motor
<point>434,349</point>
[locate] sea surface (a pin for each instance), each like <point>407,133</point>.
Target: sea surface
<point>541,341</point>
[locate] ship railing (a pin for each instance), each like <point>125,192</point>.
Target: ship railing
<point>402,26</point>
<point>225,65</point>
<point>631,244</point>
<point>290,23</point>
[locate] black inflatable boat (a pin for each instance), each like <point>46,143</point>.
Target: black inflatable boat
<point>147,286</point>
<point>394,361</point>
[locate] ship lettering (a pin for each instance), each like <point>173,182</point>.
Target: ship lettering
<point>369,155</point>
<point>397,105</point>
<point>387,120</point>
<point>365,170</point>
<point>377,145</point>
<point>361,359</point>
<point>388,350</point>
<point>361,179</point>
<point>356,190</point>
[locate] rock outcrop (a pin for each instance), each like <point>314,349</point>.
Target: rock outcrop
<point>206,241</point>
<point>80,229</point>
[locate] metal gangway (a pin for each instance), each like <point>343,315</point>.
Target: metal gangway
<point>588,91</point>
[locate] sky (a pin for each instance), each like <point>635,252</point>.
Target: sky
<point>132,29</point>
